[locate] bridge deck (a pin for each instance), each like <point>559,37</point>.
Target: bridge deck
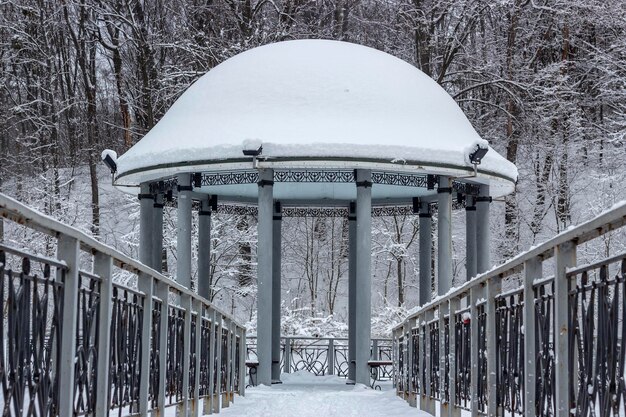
<point>303,395</point>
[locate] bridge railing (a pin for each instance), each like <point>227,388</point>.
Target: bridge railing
<point>323,355</point>
<point>536,336</point>
<point>74,341</point>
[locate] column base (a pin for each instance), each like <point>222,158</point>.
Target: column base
<point>350,382</point>
<point>276,381</point>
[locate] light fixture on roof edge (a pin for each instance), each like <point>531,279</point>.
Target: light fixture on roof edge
<point>254,153</point>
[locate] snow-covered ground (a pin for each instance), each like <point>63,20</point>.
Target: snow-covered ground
<point>304,395</point>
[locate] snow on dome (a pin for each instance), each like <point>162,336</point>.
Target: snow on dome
<point>319,100</point>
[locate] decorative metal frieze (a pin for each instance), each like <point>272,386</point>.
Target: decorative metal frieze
<point>597,348</point>
<point>315,212</point>
<point>465,188</point>
<point>387,211</point>
<point>463,365</point>
<point>404,180</point>
<point>229,178</point>
<point>293,175</point>
<point>545,397</point>
<point>86,343</point>
<point>236,209</point>
<point>510,354</point>
<point>174,375</point>
<point>30,345</point>
<point>125,346</point>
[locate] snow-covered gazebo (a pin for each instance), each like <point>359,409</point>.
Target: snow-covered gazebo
<point>315,123</point>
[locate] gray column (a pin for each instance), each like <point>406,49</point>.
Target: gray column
<point>363,274</point>
<point>352,294</point>
<point>426,245</point>
<point>483,251</point>
<point>157,237</point>
<point>183,241</point>
<point>146,221</point>
<point>276,287</point>
<point>444,236</point>
<point>204,249</point>
<point>265,276</point>
<point>470,238</point>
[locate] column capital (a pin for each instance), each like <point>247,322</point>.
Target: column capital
<point>363,178</point>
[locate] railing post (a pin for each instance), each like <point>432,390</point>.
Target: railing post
<point>195,403</point>
<point>67,251</point>
<point>186,305</point>
<point>453,306</point>
<point>233,358</point>
<point>208,400</point>
<point>226,393</point>
<point>429,403</point>
<point>218,371</point>
<point>102,266</point>
<point>145,283</point>
<point>287,364</point>
<point>473,297</point>
<point>494,285</point>
<point>162,292</point>
<point>242,362</point>
<point>443,405</point>
<point>331,356</point>
<point>565,255</point>
<point>532,271</point>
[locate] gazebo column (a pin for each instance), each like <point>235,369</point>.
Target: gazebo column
<point>483,251</point>
<point>183,241</point>
<point>204,249</point>
<point>444,241</point>
<point>426,246</point>
<point>265,276</point>
<point>363,286</point>
<point>157,240</point>
<point>352,294</point>
<point>470,238</point>
<point>276,281</point>
<point>146,224</point>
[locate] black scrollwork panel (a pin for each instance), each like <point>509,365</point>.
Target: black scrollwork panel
<point>225,360</point>
<point>446,353</point>
<point>385,372</point>
<point>482,389</point>
<point>192,355</point>
<point>126,328</point>
<point>157,309</point>
<point>463,366</point>
<point>416,386</point>
<point>237,365</point>
<point>205,345</point>
<point>30,337</point>
<point>433,332</point>
<point>510,354</point>
<point>545,399</point>
<point>341,360</point>
<point>85,365</point>
<point>174,367</point>
<point>597,314</point>
<point>402,366</point>
<point>310,356</point>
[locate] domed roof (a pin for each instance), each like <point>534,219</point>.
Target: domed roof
<point>314,104</point>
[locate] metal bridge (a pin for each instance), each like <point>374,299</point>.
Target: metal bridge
<point>93,332</point>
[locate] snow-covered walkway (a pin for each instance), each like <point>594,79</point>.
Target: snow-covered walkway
<point>304,395</point>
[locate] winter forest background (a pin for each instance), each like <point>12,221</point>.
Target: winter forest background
<point>542,80</point>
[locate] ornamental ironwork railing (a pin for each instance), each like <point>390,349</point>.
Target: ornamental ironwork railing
<point>75,343</point>
<point>323,355</point>
<point>552,344</point>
